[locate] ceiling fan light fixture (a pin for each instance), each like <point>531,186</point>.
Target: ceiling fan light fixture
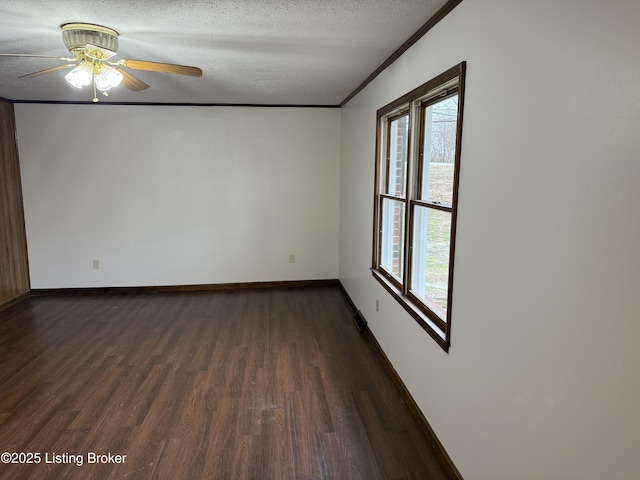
<point>92,47</point>
<point>80,76</point>
<point>107,77</point>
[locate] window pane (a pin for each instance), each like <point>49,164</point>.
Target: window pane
<point>392,238</point>
<point>439,148</point>
<point>398,151</point>
<point>430,258</point>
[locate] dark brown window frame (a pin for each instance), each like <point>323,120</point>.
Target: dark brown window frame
<point>448,83</point>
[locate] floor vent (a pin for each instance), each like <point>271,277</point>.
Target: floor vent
<point>360,322</point>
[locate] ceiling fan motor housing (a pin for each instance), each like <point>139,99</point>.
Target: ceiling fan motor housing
<point>76,36</point>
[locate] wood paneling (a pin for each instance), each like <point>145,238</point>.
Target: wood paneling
<point>14,267</point>
<point>233,384</point>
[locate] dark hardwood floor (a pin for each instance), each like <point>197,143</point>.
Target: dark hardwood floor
<point>247,384</point>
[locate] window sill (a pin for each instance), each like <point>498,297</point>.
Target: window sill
<point>415,310</point>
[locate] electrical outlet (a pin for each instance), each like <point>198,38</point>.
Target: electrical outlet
<point>96,264</point>
<point>377,305</point>
<point>292,259</point>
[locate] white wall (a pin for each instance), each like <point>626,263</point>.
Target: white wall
<point>178,195</point>
<point>542,380</point>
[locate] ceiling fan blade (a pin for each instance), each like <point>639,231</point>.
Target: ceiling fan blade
<point>132,83</point>
<point>48,70</point>
<point>161,67</point>
<point>28,55</point>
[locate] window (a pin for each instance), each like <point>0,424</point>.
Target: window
<point>416,192</point>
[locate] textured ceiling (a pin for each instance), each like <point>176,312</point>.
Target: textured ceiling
<point>287,52</point>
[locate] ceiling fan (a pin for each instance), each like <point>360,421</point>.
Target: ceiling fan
<point>93,47</point>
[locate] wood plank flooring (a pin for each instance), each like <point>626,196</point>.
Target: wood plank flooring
<point>248,384</point>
